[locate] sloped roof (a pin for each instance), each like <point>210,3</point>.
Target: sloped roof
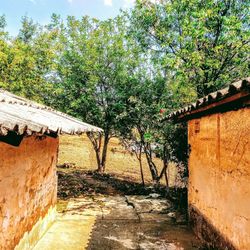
<point>214,99</point>
<point>23,116</point>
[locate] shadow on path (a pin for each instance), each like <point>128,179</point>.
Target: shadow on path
<point>127,215</point>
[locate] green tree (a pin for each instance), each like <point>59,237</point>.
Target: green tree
<point>147,94</point>
<point>26,61</point>
<point>92,70</point>
<point>197,47</point>
<point>202,45</point>
<point>28,30</point>
<point>3,23</point>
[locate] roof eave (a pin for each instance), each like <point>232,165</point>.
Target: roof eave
<point>235,96</point>
<point>234,102</point>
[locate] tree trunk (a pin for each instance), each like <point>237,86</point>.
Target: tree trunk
<point>165,165</point>
<point>166,178</point>
<point>152,167</point>
<point>141,169</point>
<point>104,151</point>
<point>164,170</point>
<point>147,150</point>
<point>96,140</point>
<point>98,160</point>
<point>138,156</point>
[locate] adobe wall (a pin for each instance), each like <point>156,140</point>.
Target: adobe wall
<point>27,190</point>
<point>219,177</point>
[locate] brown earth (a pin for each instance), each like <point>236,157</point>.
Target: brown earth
<point>78,150</point>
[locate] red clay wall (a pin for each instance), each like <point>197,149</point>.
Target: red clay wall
<point>219,176</point>
<point>27,186</point>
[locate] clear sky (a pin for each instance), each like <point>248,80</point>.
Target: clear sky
<point>41,10</point>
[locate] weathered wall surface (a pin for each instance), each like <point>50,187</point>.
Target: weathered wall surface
<point>27,186</point>
<point>219,176</point>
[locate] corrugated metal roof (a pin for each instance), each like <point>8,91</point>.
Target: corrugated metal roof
<point>24,116</point>
<point>232,89</point>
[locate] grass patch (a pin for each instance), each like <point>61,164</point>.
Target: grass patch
<point>121,163</point>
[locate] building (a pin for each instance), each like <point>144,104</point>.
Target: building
<point>28,182</point>
<point>219,166</point>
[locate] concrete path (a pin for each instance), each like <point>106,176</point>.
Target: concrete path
<point>103,222</point>
<point>71,230</point>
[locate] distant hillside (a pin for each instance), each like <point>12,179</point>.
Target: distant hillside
<point>78,150</point>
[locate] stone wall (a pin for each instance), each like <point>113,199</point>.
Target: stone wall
<point>219,177</point>
<point>27,189</point>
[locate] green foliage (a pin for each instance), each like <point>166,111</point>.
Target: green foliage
<point>203,45</point>
<point>91,70</point>
<point>28,30</point>
<point>26,61</point>
<point>2,22</point>
<point>124,74</point>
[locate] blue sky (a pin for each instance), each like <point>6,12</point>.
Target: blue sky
<point>41,10</point>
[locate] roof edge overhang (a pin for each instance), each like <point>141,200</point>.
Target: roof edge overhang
<point>233,97</point>
<point>234,102</point>
<point>25,117</point>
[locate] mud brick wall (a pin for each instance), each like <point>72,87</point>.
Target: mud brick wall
<point>219,177</point>
<point>27,186</point>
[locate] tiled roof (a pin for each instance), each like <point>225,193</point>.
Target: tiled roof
<point>26,117</point>
<point>212,98</point>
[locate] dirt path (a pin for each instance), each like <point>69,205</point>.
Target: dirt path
<point>105,214</point>
<point>139,222</point>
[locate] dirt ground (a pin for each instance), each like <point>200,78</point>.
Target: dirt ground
<point>127,215</point>
<point>79,151</point>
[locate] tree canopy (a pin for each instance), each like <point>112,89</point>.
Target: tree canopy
<point>126,73</point>
<point>202,45</point>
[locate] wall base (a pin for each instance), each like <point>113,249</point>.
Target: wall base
<point>31,238</point>
<point>206,232</point>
